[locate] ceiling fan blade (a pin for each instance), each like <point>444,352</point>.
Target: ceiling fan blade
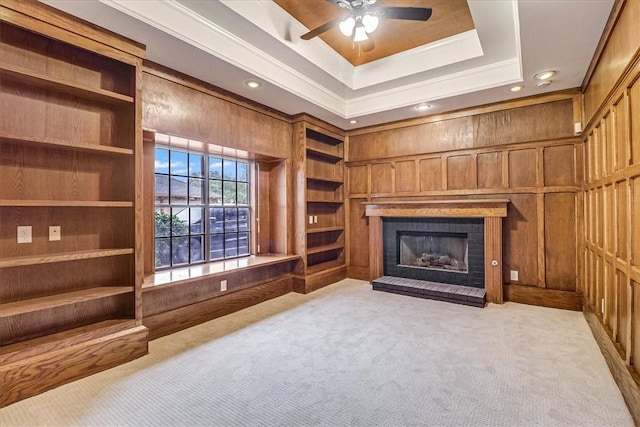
<point>408,13</point>
<point>321,29</point>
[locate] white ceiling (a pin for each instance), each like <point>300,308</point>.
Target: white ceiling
<point>228,42</point>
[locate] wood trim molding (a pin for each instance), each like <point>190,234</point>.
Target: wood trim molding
<point>622,374</point>
<point>543,297</point>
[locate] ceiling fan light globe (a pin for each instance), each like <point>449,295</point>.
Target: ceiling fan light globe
<point>361,34</point>
<point>346,26</point>
<point>370,23</point>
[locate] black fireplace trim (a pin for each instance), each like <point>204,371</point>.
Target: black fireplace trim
<point>472,227</point>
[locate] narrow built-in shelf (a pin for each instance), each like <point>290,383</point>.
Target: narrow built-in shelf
<point>33,347</point>
<point>326,155</point>
<point>323,267</point>
<point>322,179</point>
<point>330,202</point>
<point>325,248</point>
<point>60,300</point>
<point>62,257</point>
<point>325,230</point>
<point>65,145</point>
<point>22,75</point>
<point>66,203</point>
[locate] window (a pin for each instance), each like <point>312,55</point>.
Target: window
<point>202,210</point>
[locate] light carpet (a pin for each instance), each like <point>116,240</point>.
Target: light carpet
<point>346,355</point>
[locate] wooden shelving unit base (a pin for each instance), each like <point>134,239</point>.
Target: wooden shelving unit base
<point>324,275</point>
<point>61,358</point>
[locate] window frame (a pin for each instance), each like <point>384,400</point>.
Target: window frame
<point>203,202</point>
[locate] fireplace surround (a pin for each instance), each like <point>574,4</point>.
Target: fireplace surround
<point>488,211</point>
<point>444,250</point>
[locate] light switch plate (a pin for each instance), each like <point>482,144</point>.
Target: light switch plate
<point>223,285</point>
<point>514,275</point>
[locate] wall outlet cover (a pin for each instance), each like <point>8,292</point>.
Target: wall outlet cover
<point>54,233</point>
<point>24,234</point>
<point>514,275</point>
<point>223,285</point>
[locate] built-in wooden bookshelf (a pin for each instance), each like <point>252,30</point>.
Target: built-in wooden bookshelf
<point>69,156</point>
<point>320,205</point>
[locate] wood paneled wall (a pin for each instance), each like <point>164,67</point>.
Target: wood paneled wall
<point>527,154</point>
<point>178,105</point>
<point>610,264</point>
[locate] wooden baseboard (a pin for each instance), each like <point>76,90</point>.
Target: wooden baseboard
<point>551,298</point>
<point>171,321</point>
<point>357,272</point>
<point>26,377</point>
<point>622,374</point>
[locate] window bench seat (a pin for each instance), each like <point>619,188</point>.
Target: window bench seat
<point>176,299</point>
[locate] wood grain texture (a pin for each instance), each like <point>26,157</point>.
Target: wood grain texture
<point>430,174</point>
<point>34,375</point>
<point>172,108</point>
<point>560,241</point>
<point>174,320</point>
<point>451,132</point>
<point>461,172</point>
<point>490,170</point>
<point>405,176</point>
<point>493,251</point>
<point>551,298</point>
<point>520,239</point>
<point>619,51</point>
<point>382,175</point>
<point>170,296</point>
<point>621,372</point>
<point>450,17</point>
<point>559,165</point>
<point>522,168</point>
<point>358,236</point>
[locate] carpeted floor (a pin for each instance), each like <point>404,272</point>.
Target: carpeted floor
<point>347,355</point>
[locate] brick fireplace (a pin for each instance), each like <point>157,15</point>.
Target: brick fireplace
<point>458,242</point>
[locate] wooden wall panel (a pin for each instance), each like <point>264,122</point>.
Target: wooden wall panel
<point>635,222</point>
<point>176,109</point>
<point>621,145</point>
<point>358,180</point>
<point>358,234</point>
<point>524,124</point>
<point>611,272</point>
<point>460,172</point>
<point>490,170</point>
<point>537,122</point>
<point>634,114</point>
<point>430,174</point>
<point>620,50</point>
<point>382,178</point>
<point>560,241</point>
<point>405,176</point>
<point>522,168</point>
<point>559,165</point>
<point>520,239</point>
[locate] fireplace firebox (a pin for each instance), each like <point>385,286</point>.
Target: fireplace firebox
<point>444,250</point>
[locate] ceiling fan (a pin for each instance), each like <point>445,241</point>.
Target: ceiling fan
<point>363,18</point>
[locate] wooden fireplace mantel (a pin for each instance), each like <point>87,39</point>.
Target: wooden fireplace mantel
<point>474,208</point>
<point>492,210</point>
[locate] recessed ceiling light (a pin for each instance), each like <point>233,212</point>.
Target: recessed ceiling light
<point>353,122</point>
<point>253,84</point>
<point>545,75</point>
<point>516,88</point>
<point>423,107</point>
<point>544,83</point>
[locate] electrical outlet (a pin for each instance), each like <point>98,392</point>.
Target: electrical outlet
<point>54,233</point>
<point>514,275</point>
<point>315,219</point>
<point>310,219</point>
<point>223,285</point>
<point>24,234</point>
